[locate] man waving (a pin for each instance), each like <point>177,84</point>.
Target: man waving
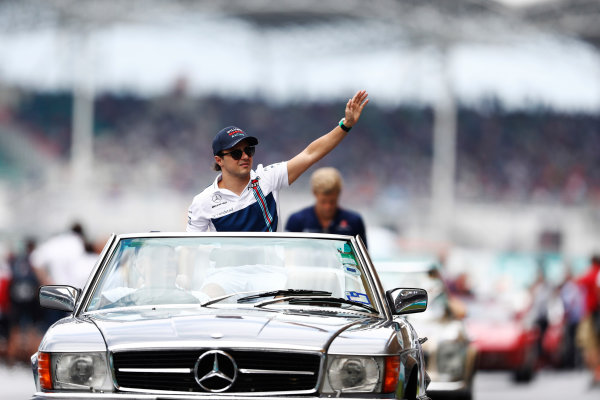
<point>243,199</point>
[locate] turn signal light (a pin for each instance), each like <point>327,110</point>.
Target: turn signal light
<point>392,372</point>
<point>44,373</point>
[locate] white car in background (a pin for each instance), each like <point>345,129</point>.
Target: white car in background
<point>450,358</point>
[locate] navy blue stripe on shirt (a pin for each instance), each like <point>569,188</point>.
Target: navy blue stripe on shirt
<point>249,219</point>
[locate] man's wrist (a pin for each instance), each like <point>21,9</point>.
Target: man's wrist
<point>343,125</point>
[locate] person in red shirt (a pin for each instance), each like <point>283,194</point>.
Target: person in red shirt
<point>588,331</point>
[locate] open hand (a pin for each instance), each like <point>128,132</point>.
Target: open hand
<point>354,107</point>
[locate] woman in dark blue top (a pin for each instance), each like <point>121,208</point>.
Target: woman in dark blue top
<point>325,215</point>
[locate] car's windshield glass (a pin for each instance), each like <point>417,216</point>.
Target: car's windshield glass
<point>209,270</point>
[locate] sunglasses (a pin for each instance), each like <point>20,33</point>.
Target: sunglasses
<point>237,153</point>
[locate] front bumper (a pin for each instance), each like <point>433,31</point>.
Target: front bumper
<point>129,396</point>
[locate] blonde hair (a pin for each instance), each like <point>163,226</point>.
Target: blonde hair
<point>326,180</point>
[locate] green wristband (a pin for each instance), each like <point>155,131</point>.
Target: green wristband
<point>344,127</point>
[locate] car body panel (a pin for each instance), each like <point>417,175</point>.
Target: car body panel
<point>58,339</point>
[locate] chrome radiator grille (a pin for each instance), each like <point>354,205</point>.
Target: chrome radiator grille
<point>211,371</point>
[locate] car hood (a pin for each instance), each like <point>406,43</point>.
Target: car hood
<point>177,328</point>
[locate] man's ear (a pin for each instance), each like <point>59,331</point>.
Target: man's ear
<point>219,160</point>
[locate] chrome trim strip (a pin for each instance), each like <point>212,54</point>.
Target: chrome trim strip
<point>235,395</point>
<point>373,278</point>
<point>272,303</point>
<point>158,370</point>
<point>273,372</point>
<point>233,234</point>
<point>113,371</point>
<point>239,345</point>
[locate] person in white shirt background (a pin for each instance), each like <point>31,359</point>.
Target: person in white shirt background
<point>64,259</point>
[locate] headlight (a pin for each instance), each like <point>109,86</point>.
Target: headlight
<point>451,359</point>
<point>362,374</point>
<point>354,374</point>
<point>74,371</point>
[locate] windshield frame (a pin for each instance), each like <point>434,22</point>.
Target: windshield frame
<point>112,247</point>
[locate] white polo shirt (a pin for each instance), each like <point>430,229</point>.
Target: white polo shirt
<point>255,210</point>
<point>59,256</point>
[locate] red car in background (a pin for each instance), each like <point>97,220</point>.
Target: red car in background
<point>505,301</point>
<point>505,339</point>
<point>4,308</point>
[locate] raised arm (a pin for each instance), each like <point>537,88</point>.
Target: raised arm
<point>323,145</point>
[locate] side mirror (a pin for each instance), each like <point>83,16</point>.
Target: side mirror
<point>57,297</point>
<point>407,300</point>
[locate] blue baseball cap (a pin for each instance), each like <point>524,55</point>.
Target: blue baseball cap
<point>229,137</point>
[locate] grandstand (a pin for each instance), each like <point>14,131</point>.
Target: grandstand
<point>572,17</point>
<point>517,173</point>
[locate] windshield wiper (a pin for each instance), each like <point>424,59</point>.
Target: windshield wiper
<point>281,292</point>
<point>329,300</point>
<point>224,297</point>
<point>284,292</point>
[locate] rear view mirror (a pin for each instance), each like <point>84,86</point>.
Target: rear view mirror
<point>407,300</point>
<point>57,297</point>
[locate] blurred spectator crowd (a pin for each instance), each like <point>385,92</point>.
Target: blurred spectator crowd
<point>66,258</point>
<point>559,316</point>
<point>538,155</point>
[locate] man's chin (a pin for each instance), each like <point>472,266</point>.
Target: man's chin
<point>326,215</point>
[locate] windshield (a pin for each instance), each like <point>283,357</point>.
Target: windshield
<point>222,270</point>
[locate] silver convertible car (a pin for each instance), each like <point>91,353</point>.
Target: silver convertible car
<point>223,316</point>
